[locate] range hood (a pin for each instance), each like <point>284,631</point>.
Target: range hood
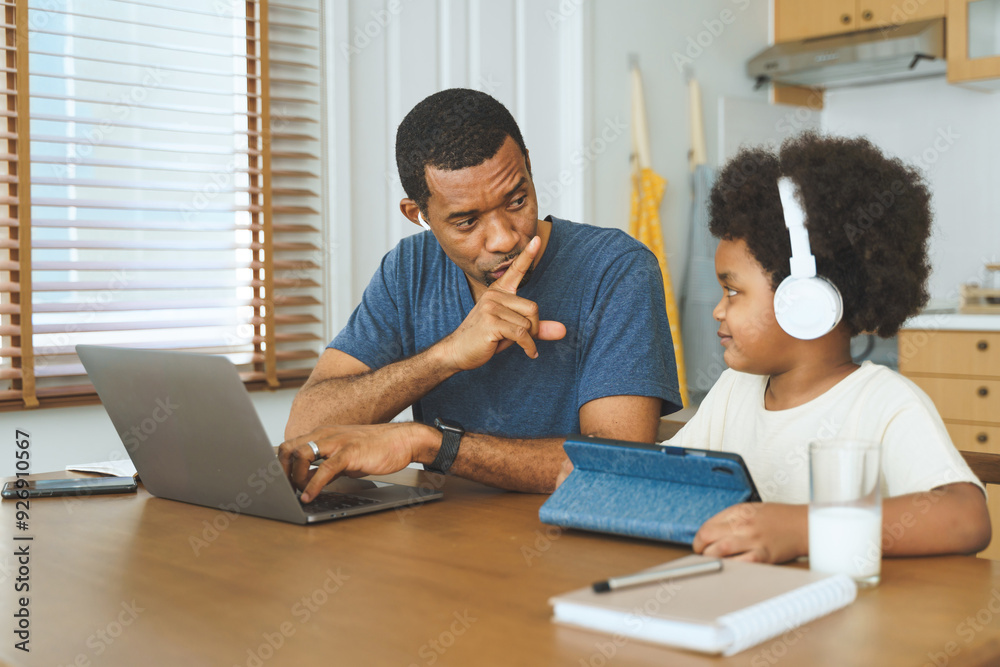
<point>892,53</point>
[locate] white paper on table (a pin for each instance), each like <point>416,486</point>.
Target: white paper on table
<point>119,468</point>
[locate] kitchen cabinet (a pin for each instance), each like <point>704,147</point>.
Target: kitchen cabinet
<point>960,371</point>
<point>973,37</point>
<point>804,19</point>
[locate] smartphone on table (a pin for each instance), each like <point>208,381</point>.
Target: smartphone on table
<point>80,486</point>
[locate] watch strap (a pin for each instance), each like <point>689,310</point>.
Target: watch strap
<point>451,438</point>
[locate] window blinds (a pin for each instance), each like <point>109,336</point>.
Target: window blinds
<point>159,189</point>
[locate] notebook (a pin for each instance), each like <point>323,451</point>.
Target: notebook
<point>642,490</point>
<point>726,612</point>
<point>190,428</point>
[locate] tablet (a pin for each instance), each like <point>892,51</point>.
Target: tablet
<point>643,490</point>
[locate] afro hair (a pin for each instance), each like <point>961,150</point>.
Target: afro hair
<point>868,218</point>
<point>452,129</point>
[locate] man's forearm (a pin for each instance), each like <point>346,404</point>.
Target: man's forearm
<point>528,465</point>
<point>372,397</point>
<point>531,466</point>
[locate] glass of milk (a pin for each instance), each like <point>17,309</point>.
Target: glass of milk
<point>845,509</point>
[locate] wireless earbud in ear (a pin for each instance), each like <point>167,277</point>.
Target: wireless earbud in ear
<point>806,306</point>
<point>423,222</point>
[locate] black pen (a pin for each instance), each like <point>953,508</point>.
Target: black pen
<point>654,576</point>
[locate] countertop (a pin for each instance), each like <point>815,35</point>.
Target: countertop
<point>951,320</point>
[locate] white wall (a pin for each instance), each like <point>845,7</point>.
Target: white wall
<point>755,122</point>
<point>526,53</point>
<point>732,31</point>
<point>952,134</point>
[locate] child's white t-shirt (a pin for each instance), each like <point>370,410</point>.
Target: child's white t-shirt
<point>872,403</point>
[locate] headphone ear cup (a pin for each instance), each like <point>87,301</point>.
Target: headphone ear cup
<point>807,308</point>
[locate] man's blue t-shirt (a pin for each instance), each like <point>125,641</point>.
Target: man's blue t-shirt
<point>602,284</point>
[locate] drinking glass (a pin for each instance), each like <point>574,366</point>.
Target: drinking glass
<point>845,509</point>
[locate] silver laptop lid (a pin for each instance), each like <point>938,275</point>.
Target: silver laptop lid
<point>191,429</point>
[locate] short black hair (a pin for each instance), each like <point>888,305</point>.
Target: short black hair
<point>453,129</point>
<point>868,216</point>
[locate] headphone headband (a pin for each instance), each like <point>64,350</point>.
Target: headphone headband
<point>805,305</point>
<point>802,262</point>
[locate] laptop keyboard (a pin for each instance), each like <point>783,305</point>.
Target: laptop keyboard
<point>330,501</point>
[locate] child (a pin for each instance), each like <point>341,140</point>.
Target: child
<point>868,219</point>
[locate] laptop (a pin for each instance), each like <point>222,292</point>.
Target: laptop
<point>190,428</point>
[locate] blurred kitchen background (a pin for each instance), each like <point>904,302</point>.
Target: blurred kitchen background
<point>563,68</point>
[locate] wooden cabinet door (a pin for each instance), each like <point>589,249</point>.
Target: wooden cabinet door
<point>927,351</point>
<point>975,438</point>
<point>963,399</point>
<point>968,63</point>
<point>802,19</point>
<point>882,13</point>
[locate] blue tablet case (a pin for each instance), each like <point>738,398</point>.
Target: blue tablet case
<point>650,491</point>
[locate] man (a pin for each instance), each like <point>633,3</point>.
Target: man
<point>436,321</point>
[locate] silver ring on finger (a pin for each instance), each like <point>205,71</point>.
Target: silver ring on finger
<point>315,448</point>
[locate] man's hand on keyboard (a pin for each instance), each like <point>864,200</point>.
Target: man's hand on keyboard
<point>355,451</point>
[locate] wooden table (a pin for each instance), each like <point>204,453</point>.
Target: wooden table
<point>135,580</point>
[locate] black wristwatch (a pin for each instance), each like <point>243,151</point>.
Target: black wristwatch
<point>451,438</point>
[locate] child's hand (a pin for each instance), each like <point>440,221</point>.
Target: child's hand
<point>762,532</point>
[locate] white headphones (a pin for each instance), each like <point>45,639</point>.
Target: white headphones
<point>806,306</point>
<point>423,223</point>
